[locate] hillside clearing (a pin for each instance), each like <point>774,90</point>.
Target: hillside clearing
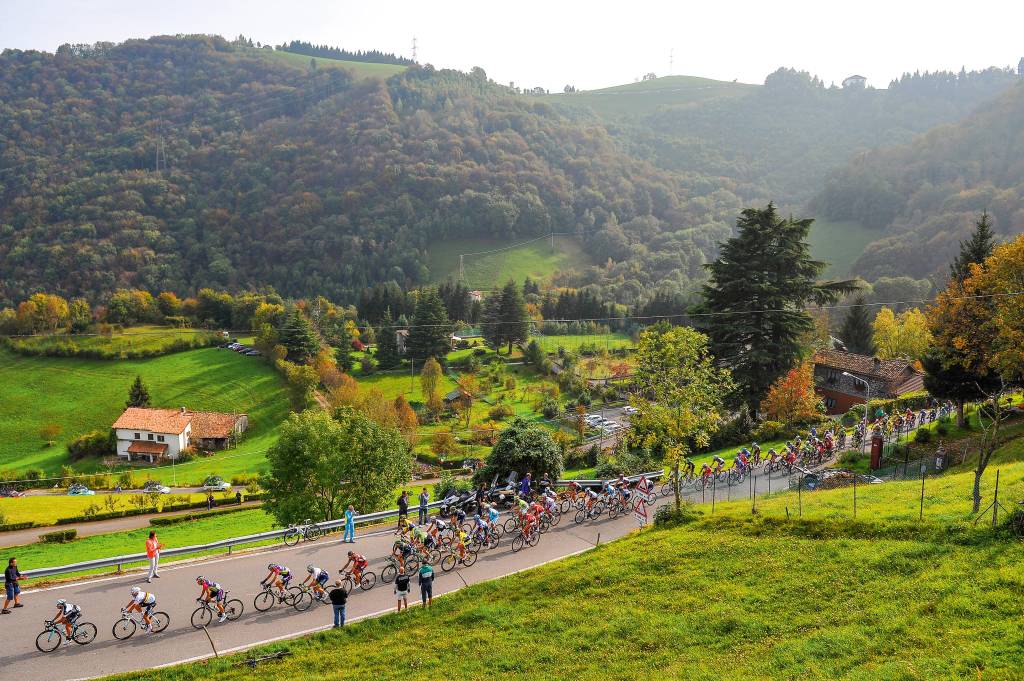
<point>361,70</point>
<point>839,244</point>
<point>634,99</point>
<point>536,260</point>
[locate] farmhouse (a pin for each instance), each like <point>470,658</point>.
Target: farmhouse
<point>854,83</point>
<point>154,434</point>
<point>889,378</point>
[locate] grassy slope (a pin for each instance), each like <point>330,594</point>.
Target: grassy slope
<point>83,395</point>
<point>840,244</point>
<point>646,96</point>
<point>726,597</point>
<point>47,509</point>
<point>535,260</point>
<point>133,338</point>
<point>359,69</point>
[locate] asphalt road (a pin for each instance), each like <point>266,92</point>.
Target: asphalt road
<point>102,598</point>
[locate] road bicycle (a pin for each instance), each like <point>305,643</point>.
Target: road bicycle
<point>308,531</point>
<point>266,598</point>
<point>367,580</point>
<point>525,539</point>
<point>390,571</point>
<point>53,635</point>
<point>126,627</point>
<point>205,613</point>
<point>593,513</point>
<point>452,558</point>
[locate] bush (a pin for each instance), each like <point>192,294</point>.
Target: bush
<point>189,517</point>
<point>500,412</point>
<point>10,527</point>
<point>245,478</point>
<point>550,408</point>
<point>95,444</point>
<point>59,537</point>
<point>941,429</point>
<point>448,485</point>
<point>668,516</point>
<point>923,435</point>
<point>769,430</point>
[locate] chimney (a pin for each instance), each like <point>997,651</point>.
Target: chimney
<point>183,408</point>
<point>878,363</point>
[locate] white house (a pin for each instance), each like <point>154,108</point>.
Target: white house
<point>855,83</point>
<point>153,434</point>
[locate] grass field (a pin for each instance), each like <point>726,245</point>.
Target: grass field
<point>48,509</point>
<point>644,97</point>
<point>729,596</point>
<point>574,342</point>
<point>359,69</point>
<point>840,244</point>
<point>82,395</point>
<point>145,338</point>
<point>489,271</point>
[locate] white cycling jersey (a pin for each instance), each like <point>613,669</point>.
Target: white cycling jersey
<point>144,598</point>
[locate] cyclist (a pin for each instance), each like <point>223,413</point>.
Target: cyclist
<point>317,579</point>
<point>740,462</point>
<point>359,563</point>
<point>458,516</point>
<point>623,487</point>
<point>434,530</point>
<point>592,496</point>
<point>756,449</point>
<point>460,543</point>
<point>67,614</point>
<point>401,550</point>
<point>773,456</point>
<point>480,527</point>
<point>492,515</point>
<point>143,602</point>
<point>719,464</point>
<point>212,591</point>
<point>688,467</point>
<point>550,502</point>
<point>417,535</point>
<point>278,576</point>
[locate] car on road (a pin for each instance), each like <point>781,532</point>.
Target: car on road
<point>215,483</point>
<point>79,490</point>
<point>154,487</point>
<point>252,353</point>
<point>630,410</point>
<point>11,492</point>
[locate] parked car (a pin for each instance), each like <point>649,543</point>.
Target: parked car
<point>11,492</point>
<point>79,490</point>
<point>630,410</point>
<point>215,483</point>
<point>253,353</point>
<point>154,487</point>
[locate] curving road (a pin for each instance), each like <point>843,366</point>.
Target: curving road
<point>101,599</point>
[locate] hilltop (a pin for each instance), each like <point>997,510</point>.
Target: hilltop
<point>644,97</point>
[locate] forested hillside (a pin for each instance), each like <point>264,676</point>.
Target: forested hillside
<point>307,181</point>
<point>924,197</point>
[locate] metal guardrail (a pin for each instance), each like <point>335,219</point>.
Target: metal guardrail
<point>119,561</point>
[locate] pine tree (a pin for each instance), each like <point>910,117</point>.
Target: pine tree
<point>138,395</point>
<point>504,318</point>
<point>297,336</point>
<point>388,356</point>
<point>974,250</point>
<point>428,335</point>
<point>857,331</point>
<point>760,283</point>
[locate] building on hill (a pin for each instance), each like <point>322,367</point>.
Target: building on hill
<point>889,378</point>
<point>154,434</point>
<point>401,338</point>
<point>855,83</point>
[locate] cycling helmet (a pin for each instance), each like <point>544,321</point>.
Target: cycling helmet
<point>272,566</point>
<point>200,580</point>
<point>351,553</point>
<point>476,517</point>
<point>309,568</point>
<point>135,591</point>
<point>61,602</point>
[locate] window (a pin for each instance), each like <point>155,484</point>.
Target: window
<point>833,375</point>
<point>159,438</point>
<point>151,436</point>
<point>829,403</point>
<point>137,436</point>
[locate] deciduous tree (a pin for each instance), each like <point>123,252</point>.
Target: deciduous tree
<point>791,399</point>
<point>523,448</point>
<point>906,335</point>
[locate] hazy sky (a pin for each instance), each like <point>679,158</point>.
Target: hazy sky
<point>588,44</point>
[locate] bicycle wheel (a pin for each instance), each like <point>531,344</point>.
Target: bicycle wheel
<point>435,556</point>
<point>201,617</point>
<point>613,510</point>
<point>448,562</point>
<point>533,539</point>
<point>314,533</point>
<point>412,565</point>
<point>666,489</point>
<point>124,628</point>
<point>564,506</point>
<point>388,574</point>
<point>293,593</point>
<point>302,601</point>
<point>291,537</point>
<point>545,525</point>
<point>48,641</point>
<point>263,601</point>
<point>556,518</point>
<point>517,543</point>
<point>367,581</point>
<point>233,609</point>
<point>597,510</point>
<point>580,516</point>
<point>511,525</point>
<point>159,621</point>
<point>493,540</point>
<point>469,559</point>
<point>84,633</point>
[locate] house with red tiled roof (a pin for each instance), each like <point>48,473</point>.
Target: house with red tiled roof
<point>889,378</point>
<point>150,434</point>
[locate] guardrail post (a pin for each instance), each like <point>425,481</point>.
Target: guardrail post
<point>118,568</point>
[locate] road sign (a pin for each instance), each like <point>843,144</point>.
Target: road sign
<point>640,513</point>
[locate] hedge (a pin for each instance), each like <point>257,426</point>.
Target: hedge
<point>59,537</point>
<point>188,517</point>
<point>143,511</point>
<point>10,527</point>
<point>915,400</point>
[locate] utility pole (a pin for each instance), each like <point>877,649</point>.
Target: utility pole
<point>414,49</point>
<point>161,155</point>
<point>671,56</point>
<point>462,271</point>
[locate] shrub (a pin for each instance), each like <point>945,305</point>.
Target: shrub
<point>448,485</point>
<point>95,444</point>
<point>668,516</point>
<point>550,408</point>
<point>245,478</point>
<point>769,430</point>
<point>500,412</point>
<point>59,536</point>
<point>941,429</point>
<point>923,435</point>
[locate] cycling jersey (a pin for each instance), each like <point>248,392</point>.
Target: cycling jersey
<point>440,525</point>
<point>70,611</point>
<point>319,575</point>
<point>212,587</point>
<point>481,524</point>
<point>492,515</point>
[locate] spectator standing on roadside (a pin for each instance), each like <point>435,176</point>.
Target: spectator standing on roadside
<point>350,525</point>
<point>424,500</point>
<point>427,584</point>
<point>402,590</point>
<point>209,501</point>
<point>238,497</point>
<point>338,599</point>
<point>12,592</point>
<point>153,547</point>
<point>524,486</point>
<point>403,507</point>
<point>481,498</point>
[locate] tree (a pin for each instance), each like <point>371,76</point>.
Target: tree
<point>678,392</point>
<point>49,433</point>
<point>759,285</point>
<point>533,355</point>
<point>297,335</point>
<point>388,356</point>
<point>791,399</point>
<point>468,388</point>
<point>428,334</point>
<point>948,379</point>
<point>138,394</point>
<point>79,315</point>
<point>505,319</point>
<point>857,332</point>
<point>301,379</point>
<point>904,336</point>
<point>407,421</point>
<point>975,250</point>
<point>442,444</point>
<point>321,464</point>
<point>430,375</point>
<point>523,448</point>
